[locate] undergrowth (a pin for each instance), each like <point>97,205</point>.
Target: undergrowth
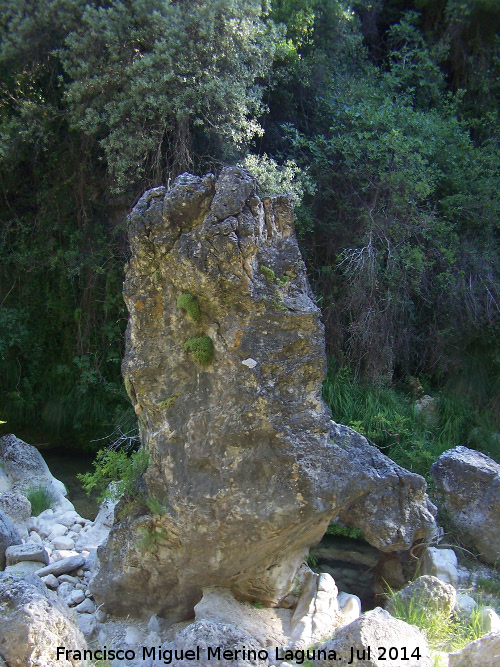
<point>388,418</point>
<point>118,467</point>
<point>40,498</point>
<point>443,631</point>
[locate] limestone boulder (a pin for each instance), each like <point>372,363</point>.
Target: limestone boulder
<point>18,508</point>
<point>33,623</point>
<point>317,613</point>
<point>388,503</point>
<point>427,592</point>
<point>224,365</point>
<point>8,536</point>
<point>484,652</point>
<point>368,641</point>
<point>25,467</point>
<point>210,637</point>
<point>469,483</point>
<point>263,624</point>
<point>440,563</point>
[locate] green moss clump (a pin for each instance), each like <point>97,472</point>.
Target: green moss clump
<point>189,303</point>
<point>268,273</point>
<point>201,349</point>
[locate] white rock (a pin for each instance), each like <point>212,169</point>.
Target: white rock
<point>251,363</point>
<point>465,604</point>
<point>76,527</point>
<point>76,597</point>
<point>489,620</point>
<point>317,613</point>
<point>63,542</point>
<point>57,529</point>
<point>133,636</point>
<point>87,624</point>
<point>350,607</point>
<point>35,537</point>
<point>86,607</point>
<point>51,581</point>
<point>441,563</point>
<point>483,652</point>
<point>64,591</point>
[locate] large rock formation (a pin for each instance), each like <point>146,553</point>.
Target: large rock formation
<point>224,364</point>
<point>469,483</point>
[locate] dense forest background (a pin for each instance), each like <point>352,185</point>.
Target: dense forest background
<point>382,117</point>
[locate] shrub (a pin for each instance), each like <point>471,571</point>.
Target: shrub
<point>118,467</point>
<point>40,498</point>
<point>201,349</point>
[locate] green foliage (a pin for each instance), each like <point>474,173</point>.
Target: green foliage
<point>189,303</point>
<point>118,469</point>
<point>312,561</point>
<point>40,498</point>
<point>201,349</point>
<point>147,77</point>
<point>275,179</point>
<point>387,417</point>
<point>151,538</point>
<point>258,604</point>
<point>344,531</point>
<point>444,632</point>
<point>268,273</point>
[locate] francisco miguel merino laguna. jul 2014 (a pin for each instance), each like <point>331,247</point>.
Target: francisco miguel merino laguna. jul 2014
<point>218,653</point>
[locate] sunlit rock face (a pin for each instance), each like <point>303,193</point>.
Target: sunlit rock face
<point>224,365</point>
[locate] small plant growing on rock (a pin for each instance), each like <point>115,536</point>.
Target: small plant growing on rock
<point>118,467</point>
<point>268,273</point>
<point>201,349</point>
<point>189,303</point>
<point>40,498</point>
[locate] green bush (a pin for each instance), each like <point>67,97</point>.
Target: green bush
<point>201,349</point>
<point>40,498</point>
<point>118,467</point>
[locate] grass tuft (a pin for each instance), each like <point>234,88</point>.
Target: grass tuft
<point>41,499</point>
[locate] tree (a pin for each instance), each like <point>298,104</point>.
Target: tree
<point>163,85</point>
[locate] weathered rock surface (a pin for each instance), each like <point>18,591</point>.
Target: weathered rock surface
<point>317,612</point>
<point>25,468</point>
<point>429,593</point>
<point>265,625</point>
<point>224,364</point>
<point>33,623</point>
<point>470,485</point>
<point>484,652</point>
<point>441,563</point>
<point>389,504</point>
<point>211,635</point>
<point>8,536</point>
<point>376,630</point>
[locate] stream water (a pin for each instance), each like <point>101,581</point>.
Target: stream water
<point>65,466</point>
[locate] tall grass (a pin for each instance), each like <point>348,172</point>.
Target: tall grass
<point>443,631</point>
<point>388,418</point>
